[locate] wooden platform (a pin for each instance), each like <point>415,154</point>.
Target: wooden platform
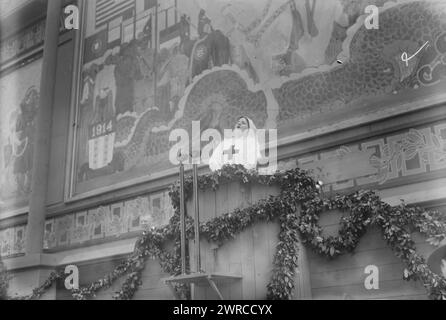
<point>211,279</point>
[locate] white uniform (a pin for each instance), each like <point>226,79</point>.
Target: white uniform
<point>242,148</point>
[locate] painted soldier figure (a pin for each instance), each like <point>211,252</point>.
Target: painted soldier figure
<point>25,130</point>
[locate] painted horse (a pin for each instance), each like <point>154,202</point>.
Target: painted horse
<point>210,50</point>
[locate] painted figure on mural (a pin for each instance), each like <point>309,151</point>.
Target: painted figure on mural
<point>104,84</point>
<point>8,153</point>
<point>290,61</point>
<point>241,148</point>
<point>212,48</point>
<point>25,132</point>
<point>163,87</point>
<point>200,58</point>
<point>96,119</point>
<point>145,56</point>
<point>204,25</point>
<point>173,75</point>
<point>286,38</point>
<point>144,51</point>
<point>104,110</point>
<point>126,72</point>
<point>146,34</point>
<point>185,36</point>
<point>86,114</point>
<point>236,37</point>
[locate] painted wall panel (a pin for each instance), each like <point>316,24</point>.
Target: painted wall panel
<point>274,61</point>
<point>19,103</point>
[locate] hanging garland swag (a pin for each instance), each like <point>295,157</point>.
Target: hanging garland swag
<point>298,191</point>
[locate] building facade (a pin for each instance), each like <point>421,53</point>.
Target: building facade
<point>87,114</point>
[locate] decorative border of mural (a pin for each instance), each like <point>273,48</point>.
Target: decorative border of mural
<point>22,43</point>
<point>344,54</point>
<point>411,152</point>
<point>26,42</point>
<point>12,241</point>
<point>104,222</point>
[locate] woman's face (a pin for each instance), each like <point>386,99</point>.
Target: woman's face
<point>242,124</point>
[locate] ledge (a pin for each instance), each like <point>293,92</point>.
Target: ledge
<point>76,256</point>
<point>31,261</point>
<point>416,193</point>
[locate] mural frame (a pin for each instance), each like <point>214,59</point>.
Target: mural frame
<point>69,194</point>
<point>292,139</point>
<point>75,90</point>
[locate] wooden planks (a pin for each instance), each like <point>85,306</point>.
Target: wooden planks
<point>343,277</point>
<point>250,254</point>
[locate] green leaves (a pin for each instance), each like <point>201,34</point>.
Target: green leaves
<point>367,209</point>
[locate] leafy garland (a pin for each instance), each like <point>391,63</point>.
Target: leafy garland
<point>298,190</point>
<point>396,224</point>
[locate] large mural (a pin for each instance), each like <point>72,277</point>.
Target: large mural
<point>148,69</point>
<point>19,103</point>
<point>111,222</point>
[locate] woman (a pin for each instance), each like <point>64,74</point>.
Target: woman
<point>241,148</point>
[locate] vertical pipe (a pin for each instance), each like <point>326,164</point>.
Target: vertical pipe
<point>196,219</point>
<point>182,221</point>
<point>74,110</point>
<point>134,20</point>
<point>155,57</point>
<point>176,11</point>
<point>41,157</point>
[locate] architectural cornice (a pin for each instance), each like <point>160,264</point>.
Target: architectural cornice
<point>20,14</point>
<point>75,256</point>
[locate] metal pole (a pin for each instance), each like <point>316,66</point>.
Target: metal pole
<point>182,221</point>
<point>41,157</point>
<point>155,58</point>
<point>196,219</point>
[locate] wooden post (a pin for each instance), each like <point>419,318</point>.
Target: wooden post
<point>40,169</point>
<point>182,221</point>
<point>196,219</point>
<point>303,282</point>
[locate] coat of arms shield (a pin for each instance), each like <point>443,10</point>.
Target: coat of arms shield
<point>101,144</point>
